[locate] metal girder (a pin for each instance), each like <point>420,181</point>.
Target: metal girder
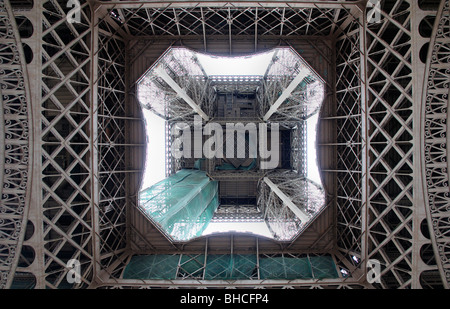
<point>204,20</point>
<point>349,132</point>
<point>237,4</point>
<point>286,93</point>
<point>163,74</point>
<point>376,147</point>
<point>287,201</point>
<point>78,206</point>
<point>16,141</point>
<point>435,146</point>
<point>247,284</point>
<point>192,271</point>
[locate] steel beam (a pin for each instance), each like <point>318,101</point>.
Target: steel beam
<point>434,146</point>
<point>173,84</point>
<point>287,201</point>
<point>286,93</point>
<point>16,142</point>
<point>246,4</point>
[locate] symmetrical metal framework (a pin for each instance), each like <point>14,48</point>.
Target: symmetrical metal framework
<point>71,134</point>
<point>177,86</point>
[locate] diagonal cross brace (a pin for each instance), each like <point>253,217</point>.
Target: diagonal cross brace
<point>173,84</point>
<point>286,93</point>
<point>287,201</point>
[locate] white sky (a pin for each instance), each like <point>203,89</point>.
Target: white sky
<point>156,149</point>
<point>259,228</point>
<point>254,65</point>
<point>311,158</point>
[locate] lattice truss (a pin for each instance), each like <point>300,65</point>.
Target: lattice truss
<point>349,139</point>
<point>436,143</point>
<point>305,195</point>
<point>78,208</point>
<point>394,210</point>
<point>112,144</point>
<point>305,99</point>
<point>281,221</point>
<point>14,137</point>
<point>228,19</point>
<point>183,68</point>
<point>74,118</point>
<point>237,213</point>
<point>390,135</point>
<point>66,145</point>
<point>385,152</point>
<point>298,147</point>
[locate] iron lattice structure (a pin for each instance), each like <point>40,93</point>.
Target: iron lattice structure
<point>72,138</point>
